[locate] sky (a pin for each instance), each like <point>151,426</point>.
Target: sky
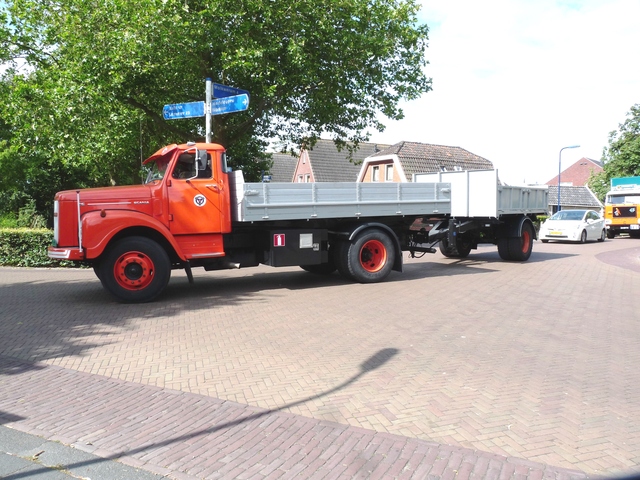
<point>515,81</point>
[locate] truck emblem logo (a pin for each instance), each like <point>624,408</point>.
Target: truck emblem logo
<point>199,200</point>
<point>278,240</point>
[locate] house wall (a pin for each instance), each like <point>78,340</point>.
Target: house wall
<point>382,165</point>
<point>577,174</point>
<point>303,172</point>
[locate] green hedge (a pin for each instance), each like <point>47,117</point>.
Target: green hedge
<point>27,247</point>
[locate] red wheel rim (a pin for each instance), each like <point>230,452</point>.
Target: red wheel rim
<point>133,271</point>
<point>373,256</point>
<point>526,240</point>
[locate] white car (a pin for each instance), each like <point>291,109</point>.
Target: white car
<point>573,226</point>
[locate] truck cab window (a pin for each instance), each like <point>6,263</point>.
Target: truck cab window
<point>185,166</point>
<point>156,170</point>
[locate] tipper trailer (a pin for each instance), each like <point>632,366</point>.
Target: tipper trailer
<point>193,211</point>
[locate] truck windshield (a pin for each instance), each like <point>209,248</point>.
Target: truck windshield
<point>622,198</point>
<point>156,170</point>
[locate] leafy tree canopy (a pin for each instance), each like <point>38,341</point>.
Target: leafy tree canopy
<point>622,157</point>
<point>89,79</point>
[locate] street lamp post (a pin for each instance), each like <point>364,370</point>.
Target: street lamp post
<point>560,171</point>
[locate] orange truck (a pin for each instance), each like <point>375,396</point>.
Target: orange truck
<point>621,207</point>
<point>194,211</point>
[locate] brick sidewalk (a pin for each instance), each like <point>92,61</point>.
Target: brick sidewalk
<point>534,361</point>
<point>185,435</point>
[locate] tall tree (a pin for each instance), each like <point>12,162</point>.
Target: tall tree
<point>622,157</point>
<point>99,73</point>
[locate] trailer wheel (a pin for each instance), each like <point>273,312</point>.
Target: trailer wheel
<point>503,248</point>
<point>135,270</point>
<point>517,248</point>
<point>520,247</point>
<point>461,249</point>
<point>370,257</point>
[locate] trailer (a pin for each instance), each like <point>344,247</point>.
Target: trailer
<point>194,211</point>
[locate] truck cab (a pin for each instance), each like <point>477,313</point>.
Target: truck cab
<point>133,235</point>
<point>621,207</point>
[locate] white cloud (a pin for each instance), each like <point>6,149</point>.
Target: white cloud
<point>516,80</point>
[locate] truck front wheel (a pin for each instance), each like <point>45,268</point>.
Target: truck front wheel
<point>135,270</point>
<point>370,257</point>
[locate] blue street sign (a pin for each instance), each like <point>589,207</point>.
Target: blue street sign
<point>183,110</point>
<point>221,91</point>
<point>236,103</point>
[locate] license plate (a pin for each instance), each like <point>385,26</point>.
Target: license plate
<point>555,232</point>
<point>634,227</point>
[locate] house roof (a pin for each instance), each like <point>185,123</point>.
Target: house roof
<point>578,173</point>
<point>573,196</point>
<point>330,165</point>
<point>283,167</point>
<point>424,157</point>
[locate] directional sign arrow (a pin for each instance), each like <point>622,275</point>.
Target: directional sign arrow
<point>183,110</point>
<point>221,91</point>
<point>236,103</point>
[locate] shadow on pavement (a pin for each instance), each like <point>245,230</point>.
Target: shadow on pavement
<point>6,417</point>
<point>57,313</point>
<point>372,363</point>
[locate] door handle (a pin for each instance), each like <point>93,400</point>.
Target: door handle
<point>213,187</point>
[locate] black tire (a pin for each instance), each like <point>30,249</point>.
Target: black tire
<point>320,269</point>
<point>603,235</point>
<point>339,252</point>
<point>520,248</point>
<point>96,269</point>
<point>517,249</point>
<point>461,249</point>
<point>135,270</point>
<point>583,236</point>
<point>370,257</point>
<point>611,234</point>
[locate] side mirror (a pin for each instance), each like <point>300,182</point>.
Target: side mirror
<point>201,160</point>
<point>223,163</point>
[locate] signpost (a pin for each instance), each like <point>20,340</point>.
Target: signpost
<point>183,110</point>
<point>221,91</point>
<point>236,103</point>
<point>226,100</point>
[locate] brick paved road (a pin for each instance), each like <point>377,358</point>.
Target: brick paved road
<point>533,361</point>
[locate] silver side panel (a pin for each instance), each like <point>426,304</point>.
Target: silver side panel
<point>255,202</point>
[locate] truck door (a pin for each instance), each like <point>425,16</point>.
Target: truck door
<point>194,195</point>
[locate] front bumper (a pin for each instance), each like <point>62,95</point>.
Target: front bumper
<point>566,235</point>
<point>73,254</point>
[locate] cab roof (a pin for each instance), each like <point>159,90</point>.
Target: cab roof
<point>169,149</point>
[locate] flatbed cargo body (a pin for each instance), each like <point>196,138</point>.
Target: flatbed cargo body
<point>258,202</point>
